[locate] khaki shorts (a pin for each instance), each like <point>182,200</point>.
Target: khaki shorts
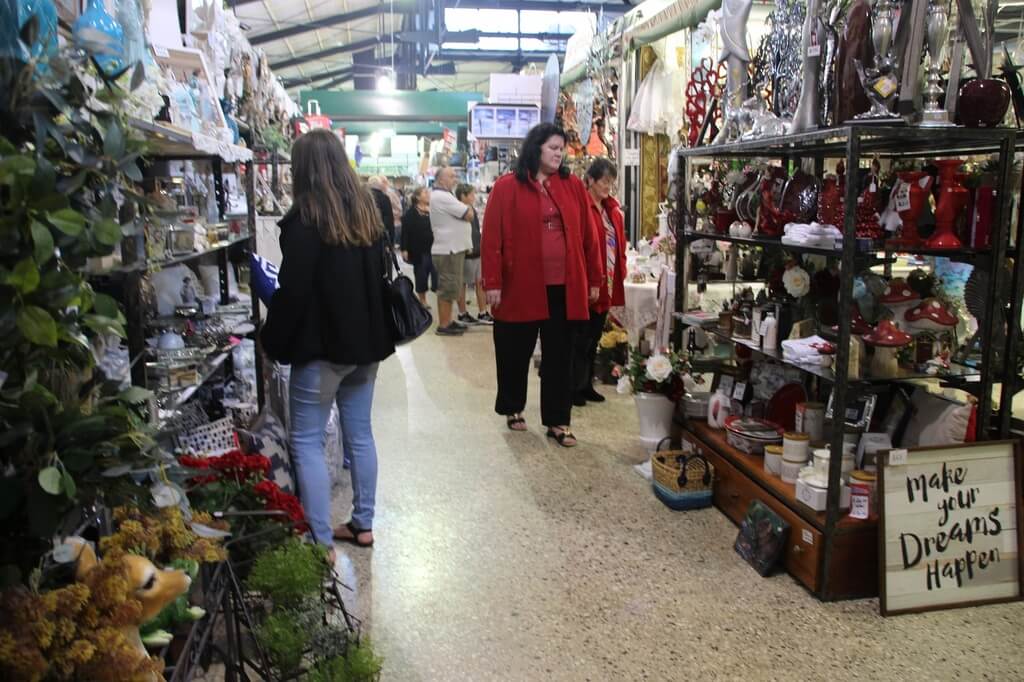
<point>471,271</point>
<point>450,275</point>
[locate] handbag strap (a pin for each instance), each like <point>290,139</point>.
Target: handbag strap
<point>684,460</point>
<point>390,265</point>
<point>666,439</point>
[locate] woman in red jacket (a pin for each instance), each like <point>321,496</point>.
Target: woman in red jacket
<point>541,271</point>
<point>607,216</point>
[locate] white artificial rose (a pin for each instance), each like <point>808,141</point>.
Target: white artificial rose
<point>659,368</point>
<point>797,282</point>
<point>624,386</point>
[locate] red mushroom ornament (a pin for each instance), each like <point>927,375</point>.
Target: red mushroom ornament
<point>899,298</point>
<point>887,339</point>
<point>930,315</point>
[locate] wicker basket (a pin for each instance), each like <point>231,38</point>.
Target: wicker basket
<point>681,479</point>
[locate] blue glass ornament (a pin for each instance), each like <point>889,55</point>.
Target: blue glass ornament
<point>102,36</point>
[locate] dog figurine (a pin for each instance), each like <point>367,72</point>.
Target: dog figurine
<point>155,588</point>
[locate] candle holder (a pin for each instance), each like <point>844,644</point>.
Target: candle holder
<point>880,82</point>
<point>934,115</point>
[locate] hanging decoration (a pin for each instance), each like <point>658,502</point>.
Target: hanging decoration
<point>704,88</point>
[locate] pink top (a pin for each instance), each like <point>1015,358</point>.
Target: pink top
<point>552,240</point>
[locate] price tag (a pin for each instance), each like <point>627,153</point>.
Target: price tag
<point>814,51</point>
<point>903,197</point>
<point>739,391</point>
<point>161,52</point>
<point>807,536</point>
<point>898,457</point>
<point>631,157</point>
<point>725,384</point>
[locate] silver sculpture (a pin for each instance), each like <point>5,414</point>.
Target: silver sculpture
<point>832,9</point>
<point>806,117</point>
<point>938,33</point>
<point>880,83</point>
<point>736,57</point>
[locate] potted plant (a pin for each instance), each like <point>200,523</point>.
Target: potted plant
<point>656,382</point>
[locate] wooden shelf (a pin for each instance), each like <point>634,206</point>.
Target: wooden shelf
<point>753,467</point>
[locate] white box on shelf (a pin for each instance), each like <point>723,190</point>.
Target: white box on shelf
<point>816,498</point>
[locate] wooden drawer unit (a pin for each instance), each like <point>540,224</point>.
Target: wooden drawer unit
<point>733,494</point>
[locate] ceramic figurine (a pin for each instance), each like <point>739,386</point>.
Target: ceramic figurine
<point>879,81</point>
<point>898,297</point>
<point>806,117</point>
<point>736,57</point>
<point>887,339</point>
<point>952,200</point>
<point>850,100</point>
<point>912,194</point>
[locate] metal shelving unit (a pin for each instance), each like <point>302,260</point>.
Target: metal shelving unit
<point>854,143</point>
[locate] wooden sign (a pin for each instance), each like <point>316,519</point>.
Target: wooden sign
<point>950,527</point>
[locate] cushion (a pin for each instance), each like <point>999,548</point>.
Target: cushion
<point>269,438</point>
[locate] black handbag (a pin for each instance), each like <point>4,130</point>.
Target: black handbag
<point>409,319</point>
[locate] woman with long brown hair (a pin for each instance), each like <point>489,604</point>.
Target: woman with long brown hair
<point>329,321</point>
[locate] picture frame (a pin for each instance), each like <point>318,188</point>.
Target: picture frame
<point>859,411</point>
<point>969,488</point>
<point>897,415</point>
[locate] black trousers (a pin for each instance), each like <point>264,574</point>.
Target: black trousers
<point>585,351</point>
<point>513,349</point>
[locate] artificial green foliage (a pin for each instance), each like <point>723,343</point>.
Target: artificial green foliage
<point>359,664</point>
<point>291,573</point>
<point>68,161</point>
<point>284,640</point>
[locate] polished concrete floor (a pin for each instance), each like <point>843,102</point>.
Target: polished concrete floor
<point>500,556</point>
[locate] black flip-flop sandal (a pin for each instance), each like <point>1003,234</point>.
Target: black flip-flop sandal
<point>512,421</point>
<point>560,438</point>
<point>356,532</point>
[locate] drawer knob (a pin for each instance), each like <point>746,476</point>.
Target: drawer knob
<point>797,549</point>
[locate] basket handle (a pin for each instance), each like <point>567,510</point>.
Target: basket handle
<point>666,439</point>
<point>683,460</point>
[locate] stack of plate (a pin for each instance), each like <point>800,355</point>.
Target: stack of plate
<point>750,434</point>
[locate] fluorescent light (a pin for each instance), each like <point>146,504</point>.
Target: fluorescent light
<point>385,83</point>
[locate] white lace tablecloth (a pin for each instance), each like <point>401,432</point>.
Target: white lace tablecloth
<point>648,304</point>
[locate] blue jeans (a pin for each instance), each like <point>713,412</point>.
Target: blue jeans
<point>312,389</point>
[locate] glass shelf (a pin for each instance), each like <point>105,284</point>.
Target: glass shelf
<point>884,140</point>
<point>864,248</point>
<point>142,266</point>
<point>955,372</point>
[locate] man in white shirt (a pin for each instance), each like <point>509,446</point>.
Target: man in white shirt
<point>450,220</point>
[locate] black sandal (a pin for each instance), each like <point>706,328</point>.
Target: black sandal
<point>512,421</point>
<point>561,436</point>
<point>356,532</point>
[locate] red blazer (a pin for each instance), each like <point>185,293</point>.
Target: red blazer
<point>617,295</point>
<point>511,248</point>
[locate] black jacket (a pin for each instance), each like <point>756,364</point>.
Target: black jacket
<point>387,214</point>
<point>330,304</point>
<point>417,236</point>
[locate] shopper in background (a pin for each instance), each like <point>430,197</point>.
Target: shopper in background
<point>417,238</point>
<point>607,216</point>
<point>450,221</point>
<point>376,184</point>
<point>471,272</point>
<point>541,270</point>
<point>332,245</point>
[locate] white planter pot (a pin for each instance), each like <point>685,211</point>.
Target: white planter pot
<point>655,412</point>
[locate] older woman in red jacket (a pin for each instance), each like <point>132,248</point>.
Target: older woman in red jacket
<point>607,216</point>
<point>541,271</point>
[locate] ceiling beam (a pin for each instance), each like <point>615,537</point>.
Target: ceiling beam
<point>337,81</point>
<point>324,22</point>
<point>610,7</point>
<point>306,80</point>
<point>323,54</point>
<point>236,3</point>
<point>513,56</point>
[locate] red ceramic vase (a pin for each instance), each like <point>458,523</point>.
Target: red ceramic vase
<point>952,200</point>
<point>918,195</point>
<point>983,102</point>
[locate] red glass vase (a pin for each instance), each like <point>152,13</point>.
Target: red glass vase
<point>952,200</point>
<point>919,190</point>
